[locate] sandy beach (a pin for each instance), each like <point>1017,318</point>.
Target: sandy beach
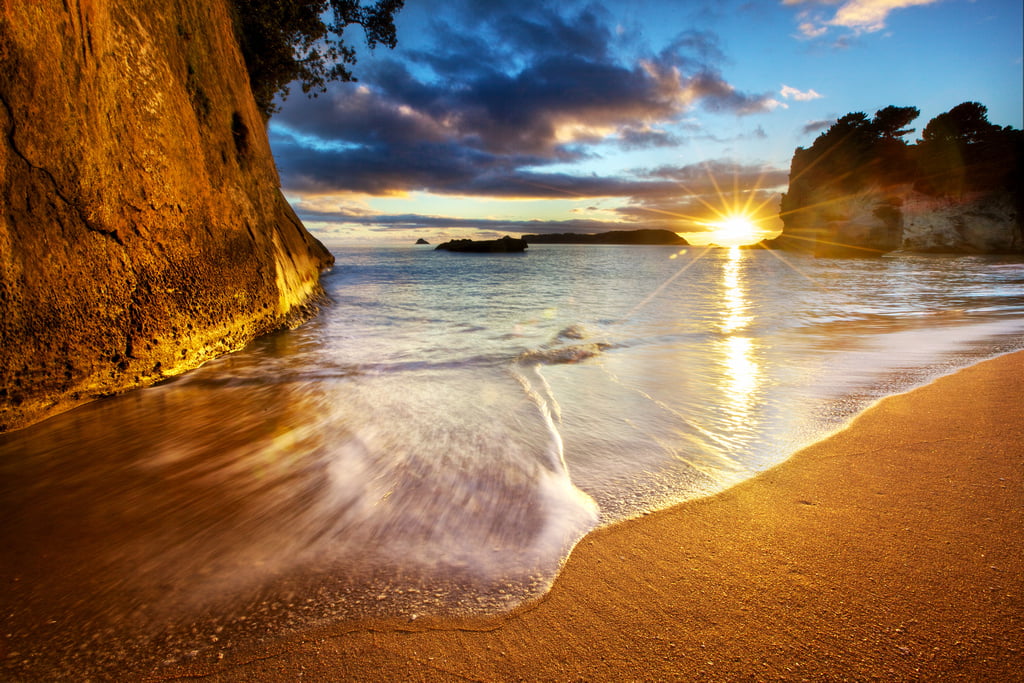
<point>889,551</point>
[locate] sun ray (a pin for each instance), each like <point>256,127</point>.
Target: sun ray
<point>790,264</point>
<point>818,240</point>
<point>661,287</point>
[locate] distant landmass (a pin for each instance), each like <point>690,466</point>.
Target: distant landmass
<point>505,245</point>
<point>611,237</point>
<point>422,241</point>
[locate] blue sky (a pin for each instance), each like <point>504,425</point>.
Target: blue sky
<point>493,117</point>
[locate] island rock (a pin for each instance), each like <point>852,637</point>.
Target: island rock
<point>499,246</point>
<point>142,230</point>
<point>830,223</point>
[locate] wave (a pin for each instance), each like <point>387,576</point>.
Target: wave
<point>558,352</point>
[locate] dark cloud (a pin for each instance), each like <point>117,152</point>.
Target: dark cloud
<point>506,91</point>
<point>696,208</point>
<point>711,176</point>
<point>815,126</point>
<point>706,191</point>
<point>640,138</point>
<point>444,168</point>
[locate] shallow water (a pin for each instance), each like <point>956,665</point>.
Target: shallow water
<point>439,438</point>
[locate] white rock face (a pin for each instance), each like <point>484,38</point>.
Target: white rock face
<point>978,223</point>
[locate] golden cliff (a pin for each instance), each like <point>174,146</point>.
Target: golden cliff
<point>142,228</point>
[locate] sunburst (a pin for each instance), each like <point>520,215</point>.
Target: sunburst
<point>732,217</point>
<point>736,230</point>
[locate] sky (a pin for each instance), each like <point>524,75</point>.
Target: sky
<point>494,117</point>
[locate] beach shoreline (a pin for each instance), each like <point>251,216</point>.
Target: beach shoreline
<point>889,550</point>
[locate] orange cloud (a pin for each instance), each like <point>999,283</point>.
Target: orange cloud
<point>862,16</point>
<point>870,15</point>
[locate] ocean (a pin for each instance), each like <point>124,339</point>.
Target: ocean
<point>440,436</point>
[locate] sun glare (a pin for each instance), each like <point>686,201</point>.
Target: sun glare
<point>735,230</point>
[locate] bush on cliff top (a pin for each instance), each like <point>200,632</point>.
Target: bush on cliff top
<point>289,41</point>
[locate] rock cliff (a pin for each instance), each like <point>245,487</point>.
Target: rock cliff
<point>826,223</point>
<point>142,228</point>
<point>879,219</point>
<point>977,223</point>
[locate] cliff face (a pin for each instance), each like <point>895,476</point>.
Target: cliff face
<point>978,223</point>
<point>878,219</point>
<point>142,229</point>
<point>829,223</point>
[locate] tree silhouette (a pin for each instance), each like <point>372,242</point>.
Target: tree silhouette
<point>287,41</point>
<point>965,123</point>
<point>889,122</point>
<point>961,151</point>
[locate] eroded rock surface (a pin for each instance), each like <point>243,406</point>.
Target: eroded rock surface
<point>979,223</point>
<point>142,229</point>
<point>878,220</point>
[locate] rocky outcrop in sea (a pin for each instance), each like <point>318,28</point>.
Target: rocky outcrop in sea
<point>503,245</point>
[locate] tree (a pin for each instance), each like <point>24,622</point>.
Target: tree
<point>960,151</point>
<point>965,123</point>
<point>889,122</point>
<point>288,41</point>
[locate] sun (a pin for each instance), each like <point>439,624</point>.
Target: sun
<point>735,229</point>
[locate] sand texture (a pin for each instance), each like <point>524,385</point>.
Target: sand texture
<point>890,551</point>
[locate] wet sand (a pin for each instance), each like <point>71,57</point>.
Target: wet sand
<point>894,550</point>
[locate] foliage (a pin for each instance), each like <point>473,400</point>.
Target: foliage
<point>967,123</point>
<point>960,151</point>
<point>288,41</point>
<point>889,122</point>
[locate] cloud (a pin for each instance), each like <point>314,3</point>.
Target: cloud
<point>631,137</point>
<point>860,16</point>
<point>709,177</point>
<point>705,192</point>
<point>787,92</point>
<point>870,15</point>
<point>815,126</point>
<point>667,197</point>
<point>505,91</point>
<point>812,30</point>
<point>446,169</point>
